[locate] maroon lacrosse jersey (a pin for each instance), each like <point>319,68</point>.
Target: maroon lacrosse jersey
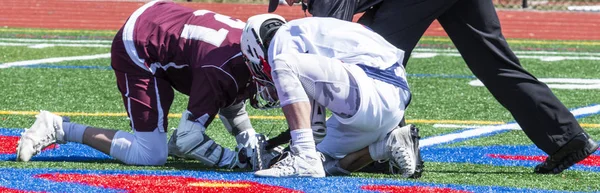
<point>197,51</point>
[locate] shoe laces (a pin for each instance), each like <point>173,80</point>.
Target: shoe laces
<point>401,159</point>
<point>39,144</point>
<point>285,165</point>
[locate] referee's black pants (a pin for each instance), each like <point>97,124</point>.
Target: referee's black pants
<point>474,28</point>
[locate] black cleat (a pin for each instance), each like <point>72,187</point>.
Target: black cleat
<point>579,148</point>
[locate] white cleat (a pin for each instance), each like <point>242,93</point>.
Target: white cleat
<point>46,130</point>
<point>294,165</point>
<point>400,143</point>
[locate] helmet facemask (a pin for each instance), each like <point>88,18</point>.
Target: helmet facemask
<point>265,94</point>
<point>256,37</point>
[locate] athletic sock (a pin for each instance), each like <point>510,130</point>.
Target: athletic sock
<point>74,132</point>
<point>378,151</point>
<point>245,136</point>
<point>302,139</point>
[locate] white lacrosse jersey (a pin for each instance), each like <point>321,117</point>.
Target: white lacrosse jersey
<point>347,41</point>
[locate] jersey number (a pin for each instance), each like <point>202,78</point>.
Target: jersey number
<point>209,35</point>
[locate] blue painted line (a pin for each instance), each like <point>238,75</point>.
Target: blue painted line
<point>64,152</point>
<point>23,179</point>
<point>478,155</point>
<point>11,131</point>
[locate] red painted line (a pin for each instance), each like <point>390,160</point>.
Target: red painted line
<point>409,189</point>
<point>592,160</point>
<point>164,184</point>
<point>10,190</point>
<point>9,145</point>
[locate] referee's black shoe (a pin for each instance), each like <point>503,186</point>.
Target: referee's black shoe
<point>579,148</point>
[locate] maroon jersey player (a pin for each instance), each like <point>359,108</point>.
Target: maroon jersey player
<point>164,47</point>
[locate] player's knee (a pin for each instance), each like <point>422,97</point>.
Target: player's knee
<point>148,153</point>
<point>144,148</point>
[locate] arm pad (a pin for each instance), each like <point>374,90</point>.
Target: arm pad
<point>235,118</point>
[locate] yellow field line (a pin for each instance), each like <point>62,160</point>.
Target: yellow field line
<point>173,115</point>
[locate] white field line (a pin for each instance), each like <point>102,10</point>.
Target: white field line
<point>477,132</point>
<point>427,50</point>
<point>54,40</point>
<point>559,58</point>
<point>46,45</point>
<point>560,83</point>
<point>592,8</point>
<point>547,58</point>
<point>53,60</point>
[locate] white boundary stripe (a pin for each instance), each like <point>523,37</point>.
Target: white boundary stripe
<point>524,52</point>
<point>558,58</point>
<point>464,134</point>
<point>53,60</point>
<point>586,110</point>
<point>53,40</point>
<point>560,83</point>
<point>591,8</point>
<point>477,132</point>
<point>548,58</point>
<point>45,45</point>
<point>451,52</point>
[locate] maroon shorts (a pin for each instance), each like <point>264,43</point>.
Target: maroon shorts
<point>147,97</point>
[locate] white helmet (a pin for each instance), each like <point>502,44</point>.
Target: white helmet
<point>257,35</point>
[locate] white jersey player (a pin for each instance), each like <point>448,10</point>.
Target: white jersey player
<point>344,67</point>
